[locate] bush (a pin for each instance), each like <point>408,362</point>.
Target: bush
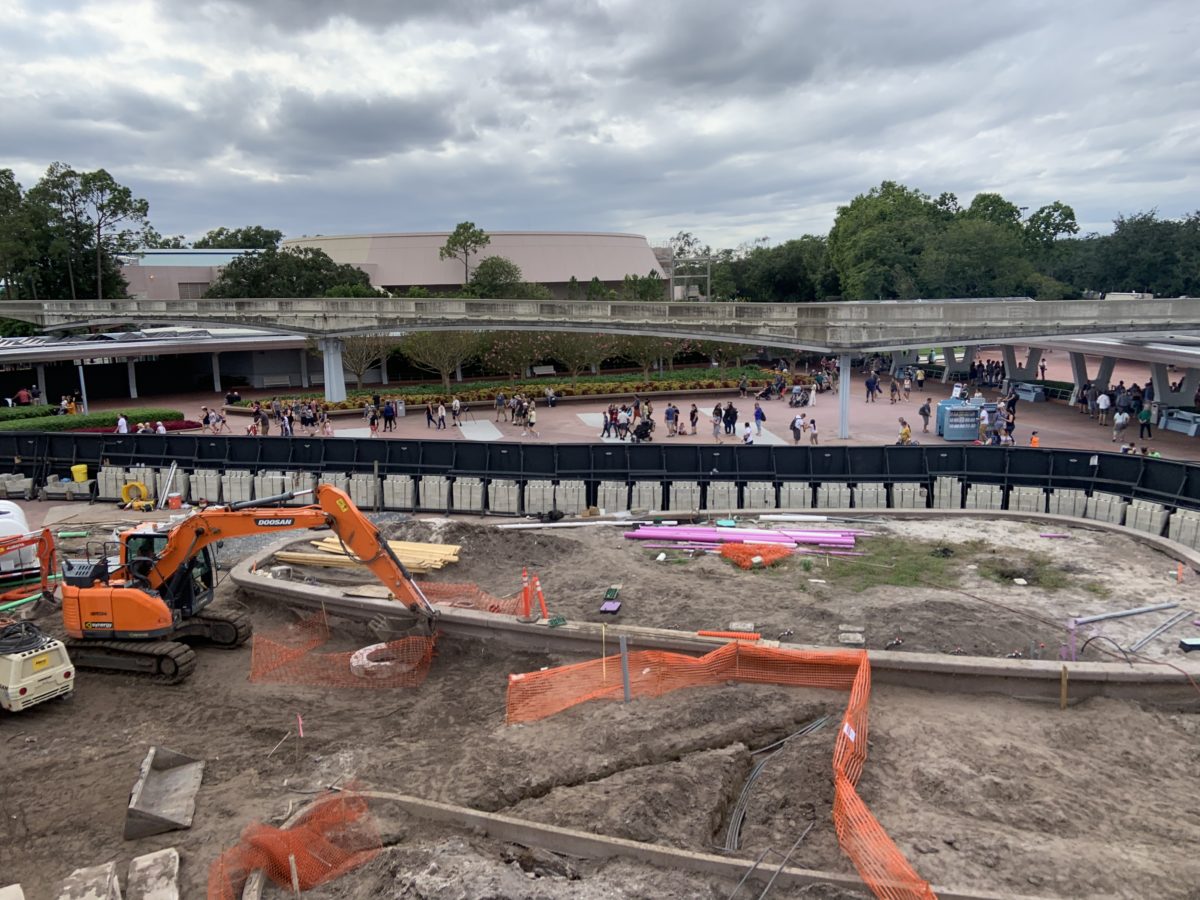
<point>13,413</point>
<point>169,424</point>
<point>92,421</point>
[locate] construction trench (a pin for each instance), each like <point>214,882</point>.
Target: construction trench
<point>987,786</point>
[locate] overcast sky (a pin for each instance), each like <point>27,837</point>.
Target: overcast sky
<point>733,120</point>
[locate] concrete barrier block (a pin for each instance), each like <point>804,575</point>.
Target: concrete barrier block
<point>15,486</point>
<point>433,492</point>
<point>795,495</point>
<point>92,883</point>
<point>908,495</point>
<point>1184,528</point>
<point>612,496</point>
<point>947,492</point>
<point>206,485</point>
<point>570,497</point>
<point>646,495</point>
<point>758,495</point>
<point>721,495</point>
<point>269,483</point>
<point>154,876</point>
<point>1027,499</point>
<point>398,492</point>
<point>1147,516</point>
<point>337,479</point>
<point>466,495</point>
<point>236,485</point>
<point>833,495</point>
<point>363,489</point>
<point>984,496</point>
<point>539,497</point>
<point>1067,502</point>
<point>109,481</point>
<point>299,481</point>
<point>504,496</point>
<point>180,484</point>
<point>684,496</point>
<point>870,496</point>
<point>1105,507</point>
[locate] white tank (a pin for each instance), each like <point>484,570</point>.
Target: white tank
<point>8,509</point>
<point>16,560</point>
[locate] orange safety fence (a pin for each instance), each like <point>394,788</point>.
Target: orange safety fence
<point>335,836</point>
<point>652,673</point>
<point>470,596</point>
<point>732,635</point>
<point>289,655</point>
<point>747,556</point>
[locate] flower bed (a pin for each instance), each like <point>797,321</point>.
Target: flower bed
<point>97,422</point>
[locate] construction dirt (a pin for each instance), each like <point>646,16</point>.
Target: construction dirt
<point>981,793</point>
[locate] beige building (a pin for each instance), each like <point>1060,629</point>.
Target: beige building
<point>397,262</point>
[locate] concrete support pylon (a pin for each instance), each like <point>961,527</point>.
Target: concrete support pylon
<point>844,396</point>
<point>1079,373</point>
<point>1164,396</point>
<point>40,368</point>
<point>304,379</point>
<point>216,372</point>
<point>1027,371</point>
<point>955,366</point>
<point>335,375</point>
<point>902,358</point>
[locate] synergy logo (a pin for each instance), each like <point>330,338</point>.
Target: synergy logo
<point>269,523</point>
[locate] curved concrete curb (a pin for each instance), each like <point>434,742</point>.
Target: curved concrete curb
<point>571,842</point>
<point>1159,685</point>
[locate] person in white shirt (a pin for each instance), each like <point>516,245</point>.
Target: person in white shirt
<point>983,423</point>
<point>160,428</point>
<point>122,424</point>
<point>747,434</point>
<point>1103,403</point>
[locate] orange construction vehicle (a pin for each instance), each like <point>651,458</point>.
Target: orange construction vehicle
<point>43,541</point>
<point>129,606</point>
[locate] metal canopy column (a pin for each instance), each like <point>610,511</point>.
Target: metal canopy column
<point>844,396</point>
<point>216,370</point>
<point>383,370</point>
<point>132,373</point>
<point>41,381</point>
<point>304,382</point>
<point>82,386</point>
<point>335,375</point>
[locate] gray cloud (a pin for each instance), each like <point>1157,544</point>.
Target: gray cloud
<point>733,120</point>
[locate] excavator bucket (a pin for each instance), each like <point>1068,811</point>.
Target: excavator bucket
<point>164,795</point>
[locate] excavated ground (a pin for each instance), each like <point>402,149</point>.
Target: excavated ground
<point>980,793</point>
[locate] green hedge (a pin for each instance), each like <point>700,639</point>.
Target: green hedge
<point>12,413</point>
<point>94,420</point>
<point>474,391</point>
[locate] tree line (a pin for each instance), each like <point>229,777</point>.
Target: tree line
<point>65,236</point>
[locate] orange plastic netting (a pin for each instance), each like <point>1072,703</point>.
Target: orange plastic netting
<point>470,596</point>
<point>289,656</point>
<point>336,835</point>
<point>747,556</point>
<point>652,673</point>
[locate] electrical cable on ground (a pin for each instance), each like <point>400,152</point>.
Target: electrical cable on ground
<point>20,637</point>
<point>783,864</point>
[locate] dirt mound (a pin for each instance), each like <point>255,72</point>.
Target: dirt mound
<point>684,803</point>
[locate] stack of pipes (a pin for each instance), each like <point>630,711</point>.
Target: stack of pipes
<point>837,542</point>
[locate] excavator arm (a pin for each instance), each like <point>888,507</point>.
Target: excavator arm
<point>333,509</point>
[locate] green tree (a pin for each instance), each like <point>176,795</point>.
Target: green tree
<point>249,237</point>
<point>974,257</point>
<point>988,207</point>
<point>360,353</point>
<point>877,241</point>
<point>290,272</point>
<point>596,290</point>
<point>115,216</point>
<point>496,278</point>
<point>152,240</point>
<point>512,353</point>
<point>465,241</point>
<point>440,352</point>
<point>356,289</point>
<point>579,352</point>
<point>646,350</point>
<point>574,290</point>
<point>1049,223</point>
<point>12,232</point>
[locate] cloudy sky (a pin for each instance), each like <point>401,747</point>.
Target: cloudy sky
<point>733,120</point>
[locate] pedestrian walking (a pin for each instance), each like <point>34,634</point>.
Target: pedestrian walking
<point>441,416</point>
<point>531,420</point>
<point>1145,419</point>
<point>717,422</point>
<point>812,432</point>
<point>759,418</point>
<point>694,417</point>
<point>925,412</point>
<point>1120,421</point>
<point>1103,404</point>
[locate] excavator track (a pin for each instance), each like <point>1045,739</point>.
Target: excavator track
<point>226,628</point>
<point>222,628</point>
<point>166,662</point>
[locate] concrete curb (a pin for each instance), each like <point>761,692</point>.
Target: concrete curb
<point>571,842</point>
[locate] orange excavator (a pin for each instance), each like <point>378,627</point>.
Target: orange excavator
<point>129,605</point>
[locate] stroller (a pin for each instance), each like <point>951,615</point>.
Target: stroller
<point>643,430</point>
<point>800,398</point>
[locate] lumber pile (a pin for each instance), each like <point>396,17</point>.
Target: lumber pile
<point>834,542</point>
<point>419,558</point>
